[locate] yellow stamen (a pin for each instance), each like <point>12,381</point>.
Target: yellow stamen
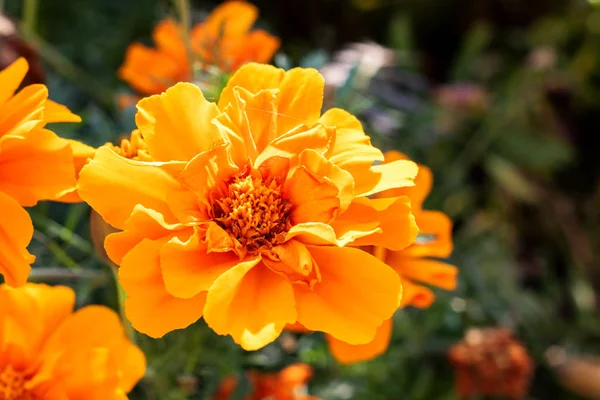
<point>254,213</point>
<point>12,385</point>
<point>134,148</point>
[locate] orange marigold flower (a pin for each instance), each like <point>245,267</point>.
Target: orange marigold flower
<point>245,213</point>
<point>49,352</point>
<point>223,40</point>
<point>288,384</point>
<point>491,362</point>
<point>35,164</point>
<point>412,265</point>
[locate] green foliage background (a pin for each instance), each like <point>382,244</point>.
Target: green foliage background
<point>519,175</point>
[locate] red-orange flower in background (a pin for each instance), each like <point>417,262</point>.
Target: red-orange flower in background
<point>35,164</point>
<point>225,40</point>
<point>49,352</point>
<point>287,384</point>
<point>245,213</point>
<point>412,264</point>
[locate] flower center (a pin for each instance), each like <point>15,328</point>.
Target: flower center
<point>253,212</point>
<point>134,148</point>
<point>12,385</point>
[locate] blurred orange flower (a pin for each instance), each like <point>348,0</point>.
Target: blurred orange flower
<point>288,384</point>
<point>49,352</point>
<point>245,213</point>
<point>223,40</point>
<point>412,265</point>
<point>35,164</point>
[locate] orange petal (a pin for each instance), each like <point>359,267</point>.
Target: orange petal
<point>54,303</point>
<point>347,354</point>
<point>82,154</point>
<point>231,18</point>
<point>417,193</point>
<point>382,177</point>
<point>349,303</point>
<point>142,224</point>
<point>431,272</point>
<point>314,198</point>
<point>253,77</point>
<point>134,182</point>
<point>292,143</point>
<point>258,46</point>
<point>11,78</point>
<point>251,303</point>
<point>189,269</point>
<point>149,307</point>
<point>177,125</point>
<point>342,179</point>
<point>437,229</point>
<point>16,231</point>
<point>295,375</point>
<point>353,150</point>
<point>317,233</point>
<point>416,295</point>
<point>300,99</point>
<point>54,112</point>
<point>36,167</point>
<point>296,327</point>
<point>151,71</point>
<point>168,38</point>
<point>397,225</point>
<point>208,169</point>
<point>26,106</point>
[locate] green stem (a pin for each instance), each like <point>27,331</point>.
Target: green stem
<point>185,18</point>
<point>30,11</point>
<point>121,296</point>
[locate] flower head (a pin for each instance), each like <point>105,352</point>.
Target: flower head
<point>49,352</point>
<point>247,211</point>
<point>287,384</point>
<point>491,362</point>
<point>412,264</point>
<point>224,40</point>
<point>35,164</point>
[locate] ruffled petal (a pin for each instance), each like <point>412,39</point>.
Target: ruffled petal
<point>253,77</point>
<point>167,36</point>
<point>177,125</point>
<point>114,185</point>
<point>347,354</point>
<point>251,303</point>
<point>82,154</point>
<point>397,227</point>
<point>356,295</point>
<point>436,229</point>
<point>300,99</point>
<point>35,167</point>
<point>149,307</point>
<point>416,295</point>
<point>16,231</point>
<point>423,182</point>
<point>188,268</point>
<point>382,177</point>
<point>231,18</point>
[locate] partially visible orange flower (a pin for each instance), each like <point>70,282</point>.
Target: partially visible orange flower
<point>224,40</point>
<point>412,264</point>
<point>35,164</point>
<point>245,213</point>
<point>288,384</point>
<point>491,362</point>
<point>49,352</point>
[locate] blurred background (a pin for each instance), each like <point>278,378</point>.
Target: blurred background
<point>500,98</point>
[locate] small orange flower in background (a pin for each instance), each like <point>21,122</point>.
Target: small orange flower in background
<point>35,165</point>
<point>245,213</point>
<point>491,362</point>
<point>412,264</point>
<point>49,352</point>
<point>224,40</point>
<point>287,384</point>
